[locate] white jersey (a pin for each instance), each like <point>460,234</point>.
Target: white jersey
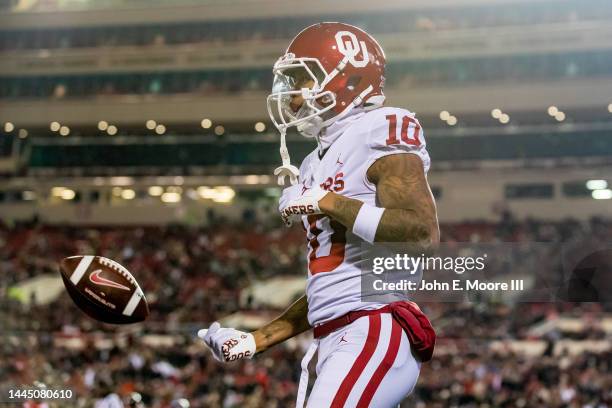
<point>335,253</point>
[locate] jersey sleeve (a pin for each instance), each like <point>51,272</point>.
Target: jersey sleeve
<point>396,131</point>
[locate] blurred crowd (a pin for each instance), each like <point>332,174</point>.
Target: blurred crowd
<point>194,275</point>
<point>177,267</point>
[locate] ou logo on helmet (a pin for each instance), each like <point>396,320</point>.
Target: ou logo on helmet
<point>350,47</point>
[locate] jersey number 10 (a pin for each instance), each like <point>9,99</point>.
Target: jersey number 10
<point>337,238</point>
<point>406,122</point>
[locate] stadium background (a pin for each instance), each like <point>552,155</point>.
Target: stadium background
<point>137,130</point>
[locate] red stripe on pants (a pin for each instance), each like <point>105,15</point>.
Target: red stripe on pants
<point>359,364</point>
<point>385,365</point>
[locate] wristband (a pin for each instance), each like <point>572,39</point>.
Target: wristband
<point>367,221</point>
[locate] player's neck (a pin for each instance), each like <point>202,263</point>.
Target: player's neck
<point>321,153</point>
<point>333,132</point>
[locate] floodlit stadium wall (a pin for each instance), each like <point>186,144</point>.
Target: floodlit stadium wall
<point>573,72</point>
<point>176,109</point>
<point>550,194</point>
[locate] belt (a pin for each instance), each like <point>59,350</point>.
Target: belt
<point>331,326</point>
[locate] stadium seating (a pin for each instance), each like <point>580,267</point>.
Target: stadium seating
<point>506,355</point>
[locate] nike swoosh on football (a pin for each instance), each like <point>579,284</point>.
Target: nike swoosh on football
<point>100,281</point>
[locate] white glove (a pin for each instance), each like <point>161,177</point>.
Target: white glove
<point>228,344</point>
<point>300,200</point>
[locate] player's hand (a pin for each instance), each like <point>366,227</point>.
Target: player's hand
<point>300,200</point>
<point>228,344</point>
<point>289,194</point>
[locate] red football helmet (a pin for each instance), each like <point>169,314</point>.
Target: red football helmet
<point>347,67</point>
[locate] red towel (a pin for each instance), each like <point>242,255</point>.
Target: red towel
<point>417,326</point>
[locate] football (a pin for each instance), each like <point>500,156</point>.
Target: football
<point>104,289</point>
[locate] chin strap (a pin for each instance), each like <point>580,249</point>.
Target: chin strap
<point>311,128</point>
<point>287,169</point>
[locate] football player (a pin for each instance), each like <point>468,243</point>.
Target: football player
<point>365,182</point>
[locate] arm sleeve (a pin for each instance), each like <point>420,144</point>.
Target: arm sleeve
<point>396,131</point>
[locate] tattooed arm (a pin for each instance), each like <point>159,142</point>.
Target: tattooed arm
<point>410,216</point>
<point>402,189</point>
<point>291,323</point>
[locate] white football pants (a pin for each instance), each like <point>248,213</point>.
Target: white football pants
<point>367,363</point>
